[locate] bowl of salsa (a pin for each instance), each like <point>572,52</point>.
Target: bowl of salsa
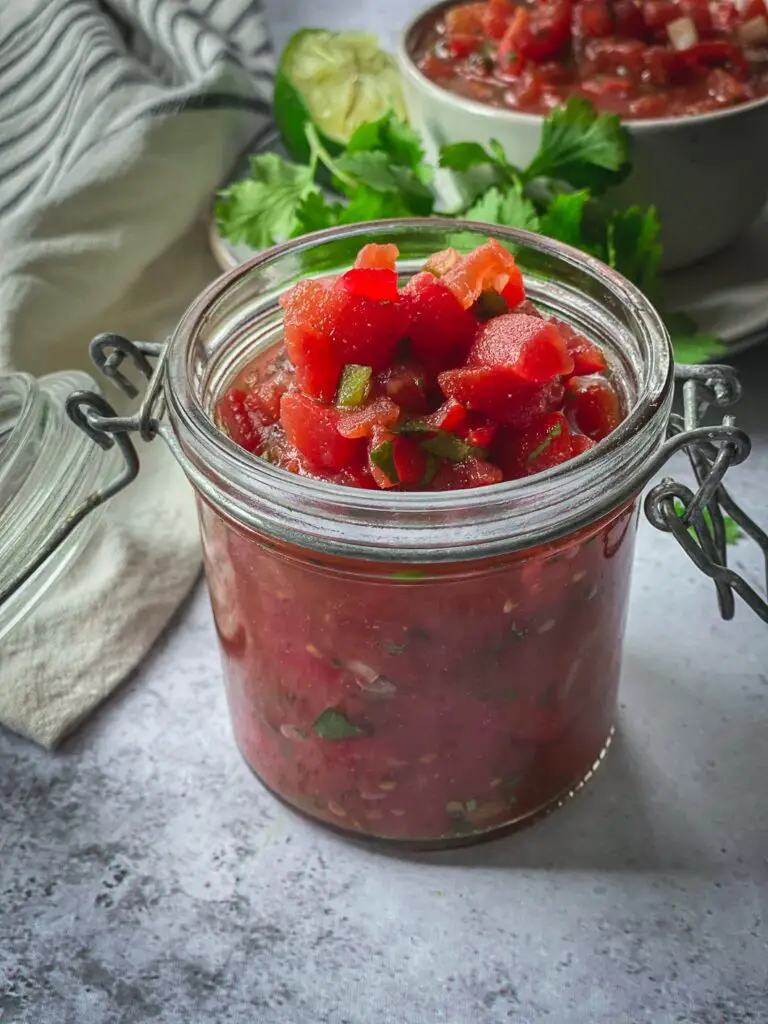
<point>689,78</point>
<point>417,448</point>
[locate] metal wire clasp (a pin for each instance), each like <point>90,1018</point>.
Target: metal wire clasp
<point>97,417</point>
<point>696,519</point>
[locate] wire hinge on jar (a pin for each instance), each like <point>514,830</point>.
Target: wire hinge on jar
<point>99,420</point>
<point>670,506</point>
<point>696,518</point>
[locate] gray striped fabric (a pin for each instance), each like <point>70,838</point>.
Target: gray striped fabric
<point>118,121</point>
<point>75,73</point>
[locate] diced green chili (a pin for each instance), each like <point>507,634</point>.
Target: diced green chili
<point>353,386</point>
<point>383,457</point>
<point>447,446</point>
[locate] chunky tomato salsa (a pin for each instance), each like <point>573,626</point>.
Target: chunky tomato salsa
<point>406,701</point>
<point>636,58</point>
<point>454,380</point>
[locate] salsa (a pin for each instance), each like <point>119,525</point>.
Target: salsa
<point>635,58</point>
<point>454,380</point>
<point>421,704</point>
<point>427,703</point>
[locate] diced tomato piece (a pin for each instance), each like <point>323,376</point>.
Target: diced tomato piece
<point>545,443</point>
<point>549,30</point>
<point>698,11</point>
<point>471,472</point>
<point>460,46</point>
<point>617,57</point>
<point>496,17</point>
<point>377,257</point>
<point>725,14</point>
<point>465,19</point>
<point>536,33</point>
<point>449,416</point>
<point>509,56</point>
<point>657,14</point>
<point>714,53</point>
<point>587,357</point>
<point>378,412</point>
<point>355,476</point>
<point>514,290</point>
<point>749,9</point>
<point>316,359</point>
<point>725,87</point>
<point>659,68</point>
<point>535,349</point>
<point>607,85</point>
<point>441,262</point>
<point>593,406</point>
<point>241,424</point>
<point>406,384</point>
<point>410,459</point>
<point>375,283</point>
<point>592,19</point>
<point>307,337</point>
<point>488,266</point>
<point>313,428</point>
<point>439,329</point>
<point>264,398</point>
<point>477,430</point>
<point>363,331</point>
<point>581,443</point>
<point>499,392</point>
<point>628,19</point>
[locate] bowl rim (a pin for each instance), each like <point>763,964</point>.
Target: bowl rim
<point>504,115</point>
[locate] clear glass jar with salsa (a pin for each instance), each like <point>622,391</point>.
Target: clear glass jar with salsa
<point>421,666</point>
<point>636,58</point>
<point>414,665</point>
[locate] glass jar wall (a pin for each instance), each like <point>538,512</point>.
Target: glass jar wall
<point>419,667</point>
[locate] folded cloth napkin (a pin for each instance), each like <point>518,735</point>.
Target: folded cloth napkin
<point>119,120</point>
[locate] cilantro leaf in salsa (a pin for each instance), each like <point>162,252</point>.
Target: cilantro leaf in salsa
<point>333,725</point>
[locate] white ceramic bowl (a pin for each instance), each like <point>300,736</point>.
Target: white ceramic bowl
<point>707,175</point>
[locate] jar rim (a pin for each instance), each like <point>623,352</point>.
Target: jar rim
<point>242,486</point>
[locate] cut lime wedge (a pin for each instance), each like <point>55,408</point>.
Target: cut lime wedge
<point>337,80</point>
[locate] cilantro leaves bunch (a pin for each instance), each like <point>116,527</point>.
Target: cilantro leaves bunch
<point>382,173</point>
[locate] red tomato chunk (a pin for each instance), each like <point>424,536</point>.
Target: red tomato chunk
<point>455,380</point>
<point>636,58</point>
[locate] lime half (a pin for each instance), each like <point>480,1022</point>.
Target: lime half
<point>337,80</point>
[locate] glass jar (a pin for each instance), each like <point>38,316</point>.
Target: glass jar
<point>424,668</point>
<point>420,667</point>
<point>47,468</point>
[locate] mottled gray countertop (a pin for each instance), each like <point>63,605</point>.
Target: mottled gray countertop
<point>146,877</point>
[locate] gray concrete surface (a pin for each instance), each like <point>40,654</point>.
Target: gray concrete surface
<point>146,877</point>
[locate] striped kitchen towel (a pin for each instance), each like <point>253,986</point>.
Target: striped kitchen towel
<point>118,121</point>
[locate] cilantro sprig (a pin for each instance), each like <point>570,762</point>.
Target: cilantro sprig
<point>382,173</point>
